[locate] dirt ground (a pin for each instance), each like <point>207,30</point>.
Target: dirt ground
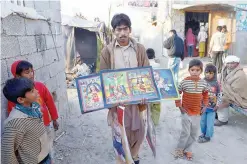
<point>88,138</point>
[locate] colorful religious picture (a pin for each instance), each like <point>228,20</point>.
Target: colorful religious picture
<point>119,137</point>
<point>165,83</point>
<point>90,93</point>
<point>129,86</point>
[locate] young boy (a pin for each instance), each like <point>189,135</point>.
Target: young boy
<point>195,92</point>
<point>208,116</point>
<point>151,56</point>
<point>25,139</point>
<point>23,68</point>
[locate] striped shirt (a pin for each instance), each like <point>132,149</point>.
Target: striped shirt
<point>25,140</point>
<point>195,91</point>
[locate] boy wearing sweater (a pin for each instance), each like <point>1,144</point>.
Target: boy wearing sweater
<point>25,138</point>
<point>208,116</point>
<point>195,92</point>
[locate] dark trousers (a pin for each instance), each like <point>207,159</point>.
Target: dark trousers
<point>217,60</point>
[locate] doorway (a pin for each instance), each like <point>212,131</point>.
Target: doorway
<point>194,20</point>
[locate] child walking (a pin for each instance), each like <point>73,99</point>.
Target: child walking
<point>25,138</point>
<point>23,68</point>
<point>195,92</point>
<point>208,116</point>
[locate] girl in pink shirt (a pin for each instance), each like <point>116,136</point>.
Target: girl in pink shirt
<point>191,41</point>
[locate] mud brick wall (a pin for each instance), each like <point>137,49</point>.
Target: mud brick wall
<point>40,43</point>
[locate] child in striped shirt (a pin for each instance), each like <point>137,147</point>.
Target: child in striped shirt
<point>195,92</point>
<point>25,138</point>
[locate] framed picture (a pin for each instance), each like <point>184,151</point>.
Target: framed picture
<point>90,94</point>
<point>129,86</point>
<point>166,86</point>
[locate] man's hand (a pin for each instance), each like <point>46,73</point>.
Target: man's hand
<point>182,110</point>
<point>55,125</point>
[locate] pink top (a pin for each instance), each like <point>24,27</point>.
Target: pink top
<point>190,38</point>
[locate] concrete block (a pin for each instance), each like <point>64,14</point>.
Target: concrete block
<point>3,108</point>
<point>56,28</point>
<point>50,41</point>
<point>40,42</point>
<point>51,84</point>
<point>61,80</point>
<point>41,5</point>
<point>27,44</point>
<point>10,24</point>
<point>4,71</point>
<point>9,47</point>
<point>55,5</point>
<point>61,53</point>
<point>59,40</point>
<point>50,56</point>
<point>29,3</point>
<point>42,74</point>
<point>10,61</point>
<point>36,59</point>
<point>36,27</point>
<point>56,68</point>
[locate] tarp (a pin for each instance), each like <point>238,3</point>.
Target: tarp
<point>79,22</point>
<point>8,8</point>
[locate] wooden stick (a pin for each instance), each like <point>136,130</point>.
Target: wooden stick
<point>63,133</point>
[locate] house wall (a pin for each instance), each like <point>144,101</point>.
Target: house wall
<point>40,43</point>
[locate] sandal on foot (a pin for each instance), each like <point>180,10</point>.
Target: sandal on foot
<point>179,154</point>
<point>203,139</point>
<point>189,156</point>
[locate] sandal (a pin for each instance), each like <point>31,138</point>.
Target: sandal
<point>179,154</point>
<point>203,139</point>
<point>189,156</point>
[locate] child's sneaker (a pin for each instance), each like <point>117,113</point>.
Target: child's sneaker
<point>203,139</point>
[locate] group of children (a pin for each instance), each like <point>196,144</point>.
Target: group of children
<point>31,109</point>
<point>198,105</point>
<point>28,132</point>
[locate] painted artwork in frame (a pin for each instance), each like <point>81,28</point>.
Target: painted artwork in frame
<point>90,93</point>
<point>165,82</point>
<point>129,86</point>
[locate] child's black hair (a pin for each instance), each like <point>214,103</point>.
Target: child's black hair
<point>22,66</point>
<point>17,87</point>
<point>151,54</point>
<point>196,62</point>
<point>120,19</point>
<point>211,68</point>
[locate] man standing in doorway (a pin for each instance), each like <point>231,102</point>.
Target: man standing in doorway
<point>175,48</point>
<point>125,52</point>
<point>216,48</point>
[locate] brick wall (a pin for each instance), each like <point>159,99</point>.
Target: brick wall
<point>41,43</point>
